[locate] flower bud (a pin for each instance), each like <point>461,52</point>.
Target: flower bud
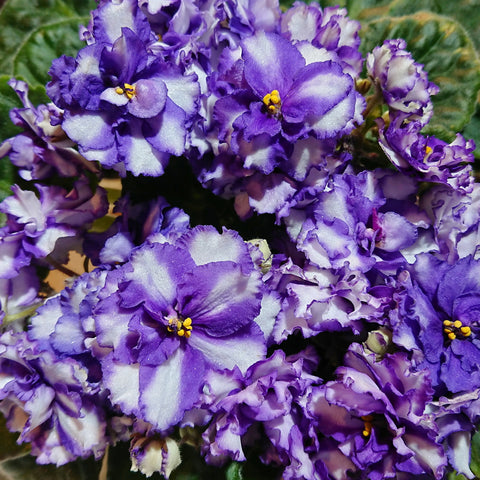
<point>154,454</point>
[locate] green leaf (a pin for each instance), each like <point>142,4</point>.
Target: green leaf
<point>34,32</point>
<point>25,468</point>
<point>449,57</point>
<point>463,11</point>
<point>475,454</point>
<point>234,471</point>
<point>361,9</point>
<point>455,476</point>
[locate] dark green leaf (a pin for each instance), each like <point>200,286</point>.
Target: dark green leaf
<point>455,476</point>
<point>463,11</point>
<point>234,471</point>
<point>475,454</point>
<point>361,9</point>
<point>34,32</point>
<point>25,468</point>
<point>449,57</point>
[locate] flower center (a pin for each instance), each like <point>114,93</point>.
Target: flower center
<point>367,425</point>
<point>272,102</point>
<point>128,90</point>
<point>183,328</point>
<point>456,329</point>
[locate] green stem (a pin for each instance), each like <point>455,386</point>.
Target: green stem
<point>24,313</point>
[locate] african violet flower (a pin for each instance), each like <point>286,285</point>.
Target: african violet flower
<point>375,411</point>
<point>281,99</point>
<point>170,314</point>
<point>437,319</point>
<point>402,82</point>
<point>42,150</point>
<point>125,107</point>
<point>273,394</point>
<point>358,219</point>
<point>46,225</point>
<point>153,453</point>
<point>49,401</point>
<point>456,419</point>
<point>329,29</point>
<point>455,220</point>
<point>428,159</point>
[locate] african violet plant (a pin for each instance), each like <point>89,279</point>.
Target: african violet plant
<point>288,283</point>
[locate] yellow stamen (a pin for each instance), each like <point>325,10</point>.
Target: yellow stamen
<point>367,420</point>
<point>183,328</point>
<point>447,330</point>
<point>428,150</point>
<point>275,97</point>
<point>128,90</point>
<point>451,336</point>
<point>466,331</point>
<point>272,101</point>
<point>457,323</point>
<point>447,323</point>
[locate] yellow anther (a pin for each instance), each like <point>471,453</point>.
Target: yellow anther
<point>181,332</point>
<point>272,101</point>
<point>187,323</point>
<point>457,324</point>
<point>428,150</point>
<point>188,333</point>
<point>128,90</point>
<point>275,97</point>
<point>367,422</point>
<point>447,330</point>
<point>447,323</point>
<point>466,331</point>
<point>451,336</point>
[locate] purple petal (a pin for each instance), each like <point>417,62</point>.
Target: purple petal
<point>153,279</point>
<point>242,349</point>
<point>271,62</point>
<point>91,130</point>
<point>170,389</point>
<point>166,132</point>
<point>149,99</point>
<point>220,298</point>
<point>317,88</point>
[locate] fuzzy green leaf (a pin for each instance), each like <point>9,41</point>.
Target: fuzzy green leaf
<point>475,454</point>
<point>34,32</point>
<point>25,468</point>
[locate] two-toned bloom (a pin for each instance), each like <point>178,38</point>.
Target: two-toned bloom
<point>172,313</point>
<point>281,99</point>
<point>49,401</point>
<point>124,106</point>
<point>437,319</point>
<point>375,412</point>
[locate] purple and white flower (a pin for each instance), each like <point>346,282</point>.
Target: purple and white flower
<point>173,312</point>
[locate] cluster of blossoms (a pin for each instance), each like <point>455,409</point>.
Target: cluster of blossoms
<point>342,346</point>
